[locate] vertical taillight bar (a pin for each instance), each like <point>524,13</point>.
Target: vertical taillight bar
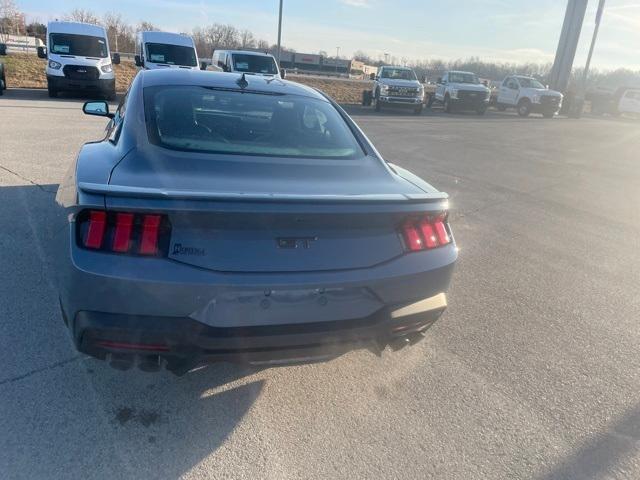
<point>96,229</point>
<point>149,238</point>
<point>122,233</point>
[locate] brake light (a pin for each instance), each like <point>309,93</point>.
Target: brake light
<point>124,232</point>
<point>95,232</point>
<point>149,240</point>
<point>425,233</point>
<point>122,235</point>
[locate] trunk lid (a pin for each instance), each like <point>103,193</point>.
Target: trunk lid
<point>253,214</point>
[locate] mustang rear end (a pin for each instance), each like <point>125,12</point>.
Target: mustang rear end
<point>182,257</point>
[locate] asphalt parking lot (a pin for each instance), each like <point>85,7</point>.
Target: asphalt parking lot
<point>533,372</point>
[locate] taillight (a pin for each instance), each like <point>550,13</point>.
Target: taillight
<point>425,233</point>
<point>124,232</point>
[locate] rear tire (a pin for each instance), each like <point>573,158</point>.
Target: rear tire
<point>378,105</point>
<point>501,108</point>
<point>481,110</point>
<point>418,110</point>
<point>524,108</point>
<point>111,96</point>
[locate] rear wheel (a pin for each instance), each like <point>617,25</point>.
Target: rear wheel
<point>481,110</point>
<point>378,104</point>
<point>501,108</point>
<point>418,110</point>
<point>524,108</point>
<point>111,96</point>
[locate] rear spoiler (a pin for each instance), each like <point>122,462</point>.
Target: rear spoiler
<point>146,192</point>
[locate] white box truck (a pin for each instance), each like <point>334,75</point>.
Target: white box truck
<point>79,59</point>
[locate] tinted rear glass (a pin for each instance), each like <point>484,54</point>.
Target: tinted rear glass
<point>193,118</point>
<point>171,54</point>
<point>254,64</point>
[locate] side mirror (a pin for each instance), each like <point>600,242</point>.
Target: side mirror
<point>42,52</point>
<point>423,79</point>
<point>138,60</point>
<point>203,65</point>
<point>372,76</point>
<point>439,81</point>
<point>115,59</point>
<point>3,48</point>
<point>283,73</point>
<point>99,108</point>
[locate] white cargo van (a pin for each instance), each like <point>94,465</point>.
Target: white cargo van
<point>245,61</point>
<point>78,58</point>
<point>164,49</point>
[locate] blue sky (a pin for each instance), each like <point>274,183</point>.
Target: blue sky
<point>503,30</point>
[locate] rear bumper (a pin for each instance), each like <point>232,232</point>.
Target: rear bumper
<point>184,343</point>
<point>64,84</point>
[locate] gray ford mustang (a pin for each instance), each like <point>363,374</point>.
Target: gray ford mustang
<point>245,219</point>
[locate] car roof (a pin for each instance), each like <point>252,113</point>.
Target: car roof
<point>76,28</point>
<point>400,67</point>
<point>246,52</point>
<point>260,83</point>
<point>461,71</point>
<point>523,76</point>
<point>167,37</point>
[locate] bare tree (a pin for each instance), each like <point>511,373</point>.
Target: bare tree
<point>247,40</point>
<point>262,45</point>
<point>116,28</point>
<point>11,19</point>
<point>82,15</point>
<point>144,26</point>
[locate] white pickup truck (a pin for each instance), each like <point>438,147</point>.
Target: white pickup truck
<point>527,95</point>
<point>461,91</point>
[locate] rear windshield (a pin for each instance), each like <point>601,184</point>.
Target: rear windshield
<point>171,54</point>
<point>79,45</point>
<point>201,119</point>
<point>254,64</point>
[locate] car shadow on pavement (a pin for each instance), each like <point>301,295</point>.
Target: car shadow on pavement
<point>63,412</point>
<point>600,456</point>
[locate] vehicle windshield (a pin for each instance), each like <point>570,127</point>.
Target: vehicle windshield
<point>398,74</point>
<point>168,54</point>
<point>459,77</point>
<point>78,45</point>
<point>199,119</point>
<point>254,64</point>
<point>529,83</point>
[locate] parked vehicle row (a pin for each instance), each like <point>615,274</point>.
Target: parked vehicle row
<point>396,86</point>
